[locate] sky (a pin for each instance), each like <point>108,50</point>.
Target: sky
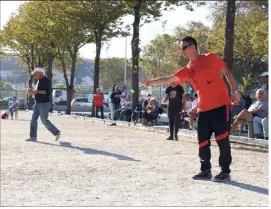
<point>116,47</point>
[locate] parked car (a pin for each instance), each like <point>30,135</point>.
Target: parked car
<point>81,101</point>
<point>5,100</point>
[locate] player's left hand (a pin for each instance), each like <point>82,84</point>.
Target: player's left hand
<point>34,93</point>
<point>29,90</point>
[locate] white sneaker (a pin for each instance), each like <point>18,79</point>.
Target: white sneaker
<point>58,136</point>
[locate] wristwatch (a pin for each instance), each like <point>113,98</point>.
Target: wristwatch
<point>234,91</point>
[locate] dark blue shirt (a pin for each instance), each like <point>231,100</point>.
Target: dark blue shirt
<point>43,84</point>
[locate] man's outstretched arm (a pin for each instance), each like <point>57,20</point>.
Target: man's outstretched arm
<point>161,81</point>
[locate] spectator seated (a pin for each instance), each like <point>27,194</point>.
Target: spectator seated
<point>125,112</point>
<point>151,112</point>
<point>260,127</point>
<point>137,113</point>
<point>257,109</point>
<point>237,107</point>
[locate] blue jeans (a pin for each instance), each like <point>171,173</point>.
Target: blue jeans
<point>41,110</point>
<point>260,126</point>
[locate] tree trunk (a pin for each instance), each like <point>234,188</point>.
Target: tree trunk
<point>30,97</point>
<point>229,35</point>
<point>69,98</point>
<point>49,74</point>
<point>70,87</point>
<point>98,38</point>
<point>135,53</point>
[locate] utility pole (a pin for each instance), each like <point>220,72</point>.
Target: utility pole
<point>160,88</point>
<point>125,64</point>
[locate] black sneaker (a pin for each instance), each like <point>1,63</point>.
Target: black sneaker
<point>222,176</point>
<point>176,137</point>
<point>170,138</point>
<point>113,124</point>
<point>203,175</point>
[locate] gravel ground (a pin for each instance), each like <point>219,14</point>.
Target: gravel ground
<point>98,165</point>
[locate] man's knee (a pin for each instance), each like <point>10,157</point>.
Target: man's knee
<point>44,120</point>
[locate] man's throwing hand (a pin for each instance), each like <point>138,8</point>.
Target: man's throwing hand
<point>145,82</point>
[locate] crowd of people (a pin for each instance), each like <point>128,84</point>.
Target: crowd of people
<point>183,106</point>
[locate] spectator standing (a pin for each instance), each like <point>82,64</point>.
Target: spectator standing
<point>174,97</point>
<point>111,104</point>
<point>13,107</point>
<point>264,82</point>
<point>124,93</point>
<point>99,102</point>
<point>115,98</point>
<point>193,111</point>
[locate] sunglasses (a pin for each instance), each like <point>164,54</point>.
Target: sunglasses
<point>186,46</point>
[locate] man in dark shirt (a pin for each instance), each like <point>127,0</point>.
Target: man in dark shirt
<point>174,94</point>
<point>115,98</point>
<point>42,104</point>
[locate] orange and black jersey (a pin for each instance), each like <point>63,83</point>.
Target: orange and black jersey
<point>205,76</point>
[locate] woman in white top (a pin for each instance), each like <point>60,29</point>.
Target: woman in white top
<point>193,111</point>
<point>187,104</point>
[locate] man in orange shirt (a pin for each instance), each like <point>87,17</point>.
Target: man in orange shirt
<point>99,102</point>
<point>205,72</point>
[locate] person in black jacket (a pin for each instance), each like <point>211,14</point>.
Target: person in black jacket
<point>174,94</point>
<point>115,98</point>
<point>247,99</point>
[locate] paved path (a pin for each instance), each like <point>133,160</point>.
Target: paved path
<point>98,165</point>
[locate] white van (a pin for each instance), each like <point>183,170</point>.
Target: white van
<point>59,96</point>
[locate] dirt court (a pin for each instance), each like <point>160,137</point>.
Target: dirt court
<point>97,165</point>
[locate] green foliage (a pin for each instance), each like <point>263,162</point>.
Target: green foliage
<point>5,86</point>
<point>59,85</point>
<point>112,70</point>
<point>161,57</point>
<point>250,35</point>
<point>246,82</point>
<point>17,37</point>
<point>164,51</point>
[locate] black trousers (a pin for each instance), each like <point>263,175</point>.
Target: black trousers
<point>149,116</point>
<point>174,118</point>
<point>215,121</point>
<point>102,111</point>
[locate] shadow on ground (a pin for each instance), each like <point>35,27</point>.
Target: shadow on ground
<point>249,187</point>
<point>90,151</point>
